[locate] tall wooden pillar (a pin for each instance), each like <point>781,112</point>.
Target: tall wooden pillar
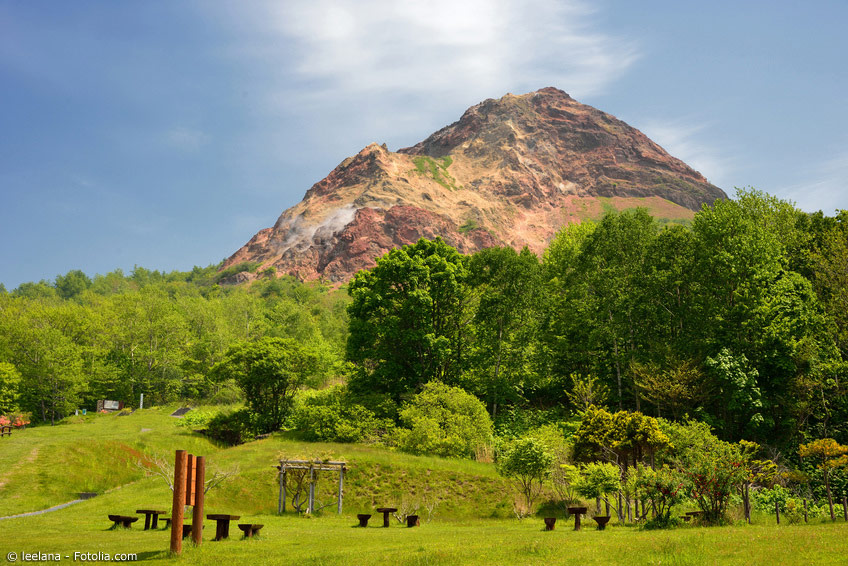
<point>179,502</point>
<point>197,512</point>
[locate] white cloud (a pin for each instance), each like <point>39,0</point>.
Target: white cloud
<point>825,189</point>
<point>395,51</point>
<point>687,141</point>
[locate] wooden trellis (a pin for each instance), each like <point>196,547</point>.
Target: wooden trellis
<point>312,467</point>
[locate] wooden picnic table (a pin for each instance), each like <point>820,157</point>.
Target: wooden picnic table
<point>577,512</point>
<point>385,511</point>
<point>222,524</point>
<point>151,517</point>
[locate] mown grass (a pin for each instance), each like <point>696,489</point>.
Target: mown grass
<point>332,539</point>
<point>41,467</point>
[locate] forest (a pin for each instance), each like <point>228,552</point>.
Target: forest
<point>732,328</point>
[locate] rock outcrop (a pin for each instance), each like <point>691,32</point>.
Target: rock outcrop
<point>511,171</point>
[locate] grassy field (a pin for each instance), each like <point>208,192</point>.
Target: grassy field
<point>46,466</point>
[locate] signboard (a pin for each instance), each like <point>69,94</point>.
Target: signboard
<point>112,405</point>
<point>191,474</point>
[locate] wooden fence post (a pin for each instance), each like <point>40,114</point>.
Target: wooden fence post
<point>341,486</point>
<point>845,507</point>
<point>197,512</point>
<point>310,501</point>
<point>777,511</point>
<point>179,502</point>
<point>805,511</point>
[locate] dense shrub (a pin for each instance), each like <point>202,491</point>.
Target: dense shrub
<point>665,488</point>
<point>764,500</point>
<point>231,428</point>
<point>196,419</point>
<point>328,416</point>
<point>444,421</point>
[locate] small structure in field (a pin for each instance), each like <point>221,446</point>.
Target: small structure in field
<point>304,475</point>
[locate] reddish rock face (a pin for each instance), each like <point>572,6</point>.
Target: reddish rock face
<point>511,172</point>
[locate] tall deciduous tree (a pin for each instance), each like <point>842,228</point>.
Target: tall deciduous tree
<point>508,284</point>
<point>409,319</point>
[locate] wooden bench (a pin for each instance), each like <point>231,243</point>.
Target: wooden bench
<point>122,521</point>
<point>250,530</point>
<point>6,430</point>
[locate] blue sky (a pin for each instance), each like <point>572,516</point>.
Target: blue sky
<point>165,134</point>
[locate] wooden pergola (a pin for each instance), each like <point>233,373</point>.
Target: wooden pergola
<point>312,467</point>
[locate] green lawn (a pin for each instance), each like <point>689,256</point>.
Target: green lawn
<point>44,466</point>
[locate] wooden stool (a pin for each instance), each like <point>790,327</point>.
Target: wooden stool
<point>250,530</point>
<point>122,521</point>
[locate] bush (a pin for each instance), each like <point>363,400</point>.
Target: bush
<point>231,428</point>
<point>327,416</point>
<point>444,421</point>
<point>792,507</point>
<point>665,488</point>
<point>195,419</point>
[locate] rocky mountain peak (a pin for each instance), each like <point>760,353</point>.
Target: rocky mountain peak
<point>511,171</point>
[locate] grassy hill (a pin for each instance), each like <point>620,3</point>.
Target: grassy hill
<point>45,466</point>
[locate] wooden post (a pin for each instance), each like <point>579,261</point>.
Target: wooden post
<point>341,486</point>
<point>197,512</point>
<point>310,502</point>
<point>805,510</point>
<point>280,499</point>
<point>178,503</point>
<point>191,467</point>
<point>845,507</point>
<point>777,511</point>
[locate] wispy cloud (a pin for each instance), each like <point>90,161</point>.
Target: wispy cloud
<point>826,186</point>
<point>686,140</point>
<point>381,55</point>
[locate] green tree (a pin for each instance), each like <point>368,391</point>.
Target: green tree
<point>508,284</point>
<point>678,389</point>
<point>740,402</point>
<point>409,319</point>
<point>72,284</point>
<point>269,371</point>
<point>830,455</point>
<point>598,480</point>
<point>528,461</point>
<point>10,380</point>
